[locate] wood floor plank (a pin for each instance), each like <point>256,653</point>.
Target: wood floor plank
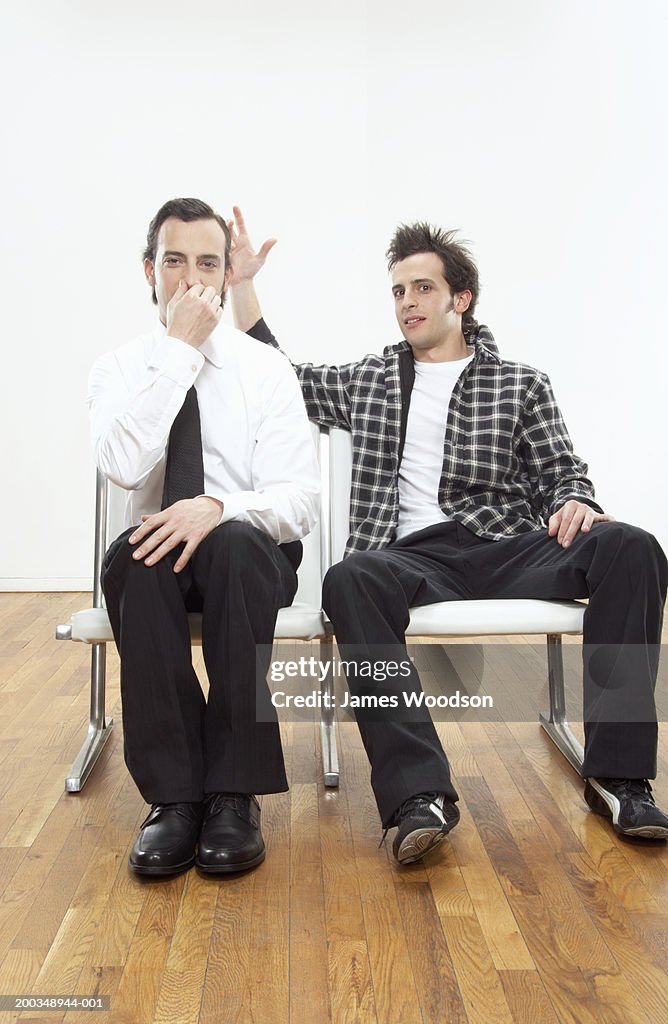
<point>433,970</point>
<point>136,998</point>
<point>395,993</point>
<point>574,933</point>
<point>527,999</point>
<point>344,916</point>
<point>267,995</point>
<point>501,931</point>
<point>646,978</point>
<point>44,903</point>
<point>309,991</point>
<point>183,977</point>
<point>479,984</point>
<point>226,996</point>
<point>350,986</point>
<point>616,1001</point>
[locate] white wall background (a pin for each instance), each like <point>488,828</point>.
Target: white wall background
<point>535,126</point>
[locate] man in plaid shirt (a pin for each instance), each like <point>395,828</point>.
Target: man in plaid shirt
<point>465,485</point>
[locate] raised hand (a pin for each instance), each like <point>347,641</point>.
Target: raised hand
<point>246,262</point>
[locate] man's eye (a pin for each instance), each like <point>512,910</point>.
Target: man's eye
<point>170,261</point>
<point>209,265</point>
<point>398,295</point>
<point>425,288</point>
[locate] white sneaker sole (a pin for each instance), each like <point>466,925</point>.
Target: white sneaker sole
<point>418,843</point>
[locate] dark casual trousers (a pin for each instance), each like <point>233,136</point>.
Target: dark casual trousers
<point>620,568</point>
<point>179,747</point>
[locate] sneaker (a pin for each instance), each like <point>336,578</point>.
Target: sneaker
<point>630,804</point>
<point>422,821</point>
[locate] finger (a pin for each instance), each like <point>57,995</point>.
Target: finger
<point>208,294</point>
<point>567,513</point>
<point>573,527</point>
<point>196,289</point>
<point>602,517</point>
<point>149,523</point>
<point>588,521</point>
<point>232,230</point>
<point>239,218</point>
<point>181,289</point>
<point>153,540</point>
<point>167,545</point>
<point>185,555</point>
<point>266,248</point>
<point>553,523</point>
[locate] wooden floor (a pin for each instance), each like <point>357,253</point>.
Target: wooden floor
<point>532,912</point>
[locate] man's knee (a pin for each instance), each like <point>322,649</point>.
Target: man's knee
<point>632,541</point>
<point>240,554</point>
<point>353,573</point>
<point>118,558</point>
<point>238,540</point>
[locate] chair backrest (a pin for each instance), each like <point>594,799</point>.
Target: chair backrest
<point>340,470</point>
<point>110,522</point>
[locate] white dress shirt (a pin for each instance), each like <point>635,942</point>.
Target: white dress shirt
<point>259,457</point>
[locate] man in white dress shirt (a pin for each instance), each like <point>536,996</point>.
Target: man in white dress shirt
<point>208,433</point>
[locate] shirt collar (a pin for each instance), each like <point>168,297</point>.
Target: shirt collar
<point>477,335</point>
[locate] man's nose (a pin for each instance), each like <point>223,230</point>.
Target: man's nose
<point>191,275</point>
<point>409,301</point>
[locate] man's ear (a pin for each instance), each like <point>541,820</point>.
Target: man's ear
<point>462,301</point>
<point>149,271</point>
<point>229,277</point>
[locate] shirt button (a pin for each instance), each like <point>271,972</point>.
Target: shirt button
<point>194,367</point>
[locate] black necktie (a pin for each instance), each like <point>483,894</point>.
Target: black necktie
<point>184,471</point>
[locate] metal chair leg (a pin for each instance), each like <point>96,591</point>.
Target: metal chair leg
<point>555,723</point>
<point>330,757</point>
<point>99,727</point>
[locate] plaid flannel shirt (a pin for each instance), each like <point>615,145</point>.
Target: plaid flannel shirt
<point>508,462</point>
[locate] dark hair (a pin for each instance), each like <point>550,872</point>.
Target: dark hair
<point>183,209</point>
<point>459,270</point>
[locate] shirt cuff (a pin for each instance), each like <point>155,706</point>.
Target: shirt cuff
<point>177,361</point>
<point>243,501</point>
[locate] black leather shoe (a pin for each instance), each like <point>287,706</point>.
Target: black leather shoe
<point>167,841</point>
<point>230,839</point>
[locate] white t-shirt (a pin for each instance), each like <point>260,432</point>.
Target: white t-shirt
<point>422,459</point>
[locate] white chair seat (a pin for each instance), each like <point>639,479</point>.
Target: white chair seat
<point>480,618</point>
<point>305,621</point>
